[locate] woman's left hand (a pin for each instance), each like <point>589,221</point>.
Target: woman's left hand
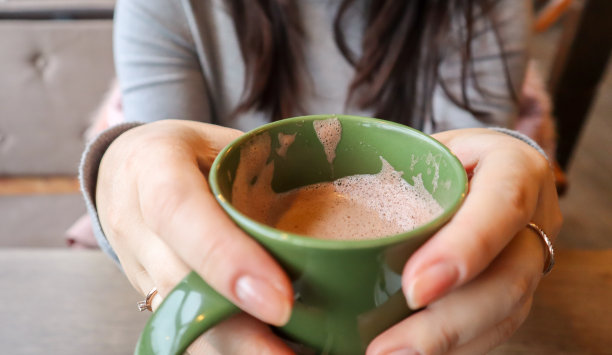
<point>477,275</point>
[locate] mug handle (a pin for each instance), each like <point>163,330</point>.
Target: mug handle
<point>195,308</point>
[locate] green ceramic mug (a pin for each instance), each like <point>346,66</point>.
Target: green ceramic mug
<point>347,292</point>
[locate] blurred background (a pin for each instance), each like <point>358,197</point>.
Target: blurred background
<point>55,69</point>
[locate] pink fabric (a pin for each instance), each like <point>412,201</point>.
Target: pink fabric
<point>109,113</point>
<point>80,235</point>
<point>535,118</point>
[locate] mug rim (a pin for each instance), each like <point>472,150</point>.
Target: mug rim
<point>268,232</point>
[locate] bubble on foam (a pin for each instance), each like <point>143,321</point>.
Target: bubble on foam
<point>389,195</point>
<point>434,161</point>
<point>413,161</point>
<point>447,184</point>
<point>329,132</point>
<point>284,140</point>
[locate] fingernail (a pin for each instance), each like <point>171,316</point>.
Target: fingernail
<point>430,283</point>
<point>261,299</point>
<point>403,352</point>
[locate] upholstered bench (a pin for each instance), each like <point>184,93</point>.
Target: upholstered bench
<point>55,66</point>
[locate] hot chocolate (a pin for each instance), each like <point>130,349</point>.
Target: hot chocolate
<point>354,207</point>
<point>357,207</point>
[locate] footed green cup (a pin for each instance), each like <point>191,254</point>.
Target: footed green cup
<point>346,292</point>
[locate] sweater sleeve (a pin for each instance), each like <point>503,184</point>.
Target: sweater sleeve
<point>88,174</point>
<point>523,137</point>
<point>157,63</point>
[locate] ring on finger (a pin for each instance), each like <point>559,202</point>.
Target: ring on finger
<point>548,248</point>
<point>146,304</point>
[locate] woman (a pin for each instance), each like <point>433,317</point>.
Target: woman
<point>439,66</point>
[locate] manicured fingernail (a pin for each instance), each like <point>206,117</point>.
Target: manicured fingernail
<point>403,352</point>
<point>261,299</point>
<point>430,283</point>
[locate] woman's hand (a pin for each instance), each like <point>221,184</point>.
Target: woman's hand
<point>477,275</point>
<point>160,217</point>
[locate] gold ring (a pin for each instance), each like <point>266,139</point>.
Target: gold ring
<point>550,252</point>
<point>146,304</point>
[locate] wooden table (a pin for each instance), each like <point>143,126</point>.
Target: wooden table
<point>572,310</point>
<point>56,301</point>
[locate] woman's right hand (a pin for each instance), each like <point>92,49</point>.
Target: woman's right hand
<point>162,221</point>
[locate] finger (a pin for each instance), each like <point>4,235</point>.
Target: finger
<point>163,267</point>
<point>209,139</point>
<point>177,205</point>
<point>125,247</point>
<point>496,335</point>
<point>548,212</point>
<point>241,334</point>
<point>148,261</point>
<point>472,309</point>
<point>503,195</point>
<point>156,301</point>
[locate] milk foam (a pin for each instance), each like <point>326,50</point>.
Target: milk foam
<point>357,207</point>
<point>284,140</point>
<point>388,194</point>
<point>329,132</point>
<point>363,206</point>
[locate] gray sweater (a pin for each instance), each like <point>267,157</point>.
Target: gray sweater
<point>180,59</point>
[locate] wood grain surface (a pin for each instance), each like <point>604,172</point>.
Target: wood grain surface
<point>58,301</point>
<point>12,186</point>
<point>572,309</point>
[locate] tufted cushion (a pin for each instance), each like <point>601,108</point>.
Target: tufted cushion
<point>54,74</point>
<point>16,8</point>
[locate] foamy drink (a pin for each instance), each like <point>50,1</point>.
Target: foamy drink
<point>365,206</point>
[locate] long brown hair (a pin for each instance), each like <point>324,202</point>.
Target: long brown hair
<point>396,73</point>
